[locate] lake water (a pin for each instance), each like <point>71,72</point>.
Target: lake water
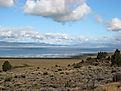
<point>48,51</point>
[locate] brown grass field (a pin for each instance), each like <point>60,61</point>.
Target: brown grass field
<point>26,75</point>
<point>46,63</point>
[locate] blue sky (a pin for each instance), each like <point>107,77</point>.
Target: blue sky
<point>99,20</point>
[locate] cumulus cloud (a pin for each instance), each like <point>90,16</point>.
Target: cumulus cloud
<point>114,24</point>
<point>29,34</point>
<point>58,10</point>
<point>83,38</point>
<point>7,3</point>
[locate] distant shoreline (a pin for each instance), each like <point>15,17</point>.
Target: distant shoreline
<point>65,57</point>
<point>52,57</point>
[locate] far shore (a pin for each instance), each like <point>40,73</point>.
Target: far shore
<point>46,62</point>
<point>79,56</point>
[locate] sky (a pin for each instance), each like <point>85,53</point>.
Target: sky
<point>61,21</point>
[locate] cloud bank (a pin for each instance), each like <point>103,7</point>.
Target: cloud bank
<point>29,34</point>
<point>58,10</point>
<point>7,3</point>
<point>114,24</point>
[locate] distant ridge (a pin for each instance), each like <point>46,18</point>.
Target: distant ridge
<point>20,44</point>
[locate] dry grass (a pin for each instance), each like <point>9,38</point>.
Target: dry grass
<point>116,86</point>
<point>42,63</point>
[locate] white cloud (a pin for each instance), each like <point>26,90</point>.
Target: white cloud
<point>57,36</point>
<point>83,38</point>
<point>114,24</point>
<point>58,10</point>
<point>7,3</point>
<point>28,34</point>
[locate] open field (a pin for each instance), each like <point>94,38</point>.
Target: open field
<point>42,63</point>
<point>64,74</point>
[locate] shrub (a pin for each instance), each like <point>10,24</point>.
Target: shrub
<point>116,58</point>
<point>45,73</point>
<point>59,69</point>
<point>108,58</point>
<point>6,66</point>
<point>117,77</point>
<point>38,67</point>
<point>88,58</point>
<point>67,84</point>
<point>61,72</point>
<point>101,55</point>
<point>76,65</point>
<point>69,65</point>
<point>8,78</point>
<point>82,61</point>
<point>56,65</point>
<point>20,76</point>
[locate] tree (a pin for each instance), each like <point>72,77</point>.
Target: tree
<point>116,58</point>
<point>101,55</point>
<point>6,66</point>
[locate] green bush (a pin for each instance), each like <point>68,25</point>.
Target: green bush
<point>8,79</point>
<point>88,58</point>
<point>101,55</point>
<point>76,65</point>
<point>116,58</point>
<point>45,73</point>
<point>6,66</point>
<point>108,58</point>
<point>117,77</point>
<point>67,84</point>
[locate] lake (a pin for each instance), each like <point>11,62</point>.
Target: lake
<point>48,51</point>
